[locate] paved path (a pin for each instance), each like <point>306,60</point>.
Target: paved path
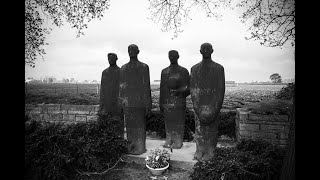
<point>179,158</point>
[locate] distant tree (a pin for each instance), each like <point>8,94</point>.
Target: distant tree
<point>276,78</point>
<point>272,21</point>
<point>50,80</point>
<point>75,12</point>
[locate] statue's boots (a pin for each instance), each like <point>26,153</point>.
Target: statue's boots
<point>174,136</point>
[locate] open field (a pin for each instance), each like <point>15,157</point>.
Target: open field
<point>88,94</point>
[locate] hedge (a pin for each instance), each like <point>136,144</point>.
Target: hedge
<point>59,151</point>
<point>250,159</point>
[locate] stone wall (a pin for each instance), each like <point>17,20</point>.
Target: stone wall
<point>62,112</point>
<point>273,128</point>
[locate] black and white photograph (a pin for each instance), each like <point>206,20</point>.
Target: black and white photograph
<point>159,90</point>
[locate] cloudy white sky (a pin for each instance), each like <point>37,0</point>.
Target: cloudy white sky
<point>125,23</point>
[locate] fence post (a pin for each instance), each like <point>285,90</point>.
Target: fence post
<point>98,89</point>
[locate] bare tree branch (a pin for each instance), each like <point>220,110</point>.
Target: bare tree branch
<point>174,13</point>
<point>75,12</point>
<point>273,21</point>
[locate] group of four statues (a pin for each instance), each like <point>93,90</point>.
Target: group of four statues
<point>126,92</point>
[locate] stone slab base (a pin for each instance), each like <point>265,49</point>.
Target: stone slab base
<point>179,158</point>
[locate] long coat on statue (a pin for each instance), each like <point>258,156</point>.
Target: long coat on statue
<point>135,98</point>
<point>207,88</point>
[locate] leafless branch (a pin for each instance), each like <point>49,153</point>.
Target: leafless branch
<point>271,21</point>
<point>174,13</point>
<point>100,173</point>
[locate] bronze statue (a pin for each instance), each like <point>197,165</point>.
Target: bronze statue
<point>174,88</point>
<point>207,86</point>
<point>109,92</point>
<point>110,87</point>
<point>135,100</point>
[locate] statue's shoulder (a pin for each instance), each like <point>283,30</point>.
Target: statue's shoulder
<point>105,71</point>
<point>165,70</point>
<point>183,69</point>
<point>143,65</point>
<point>196,66</point>
<point>125,66</point>
<point>217,65</point>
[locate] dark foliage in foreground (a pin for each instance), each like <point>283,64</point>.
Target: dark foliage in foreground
<point>57,151</point>
<point>155,123</point>
<point>250,159</point>
<point>286,92</point>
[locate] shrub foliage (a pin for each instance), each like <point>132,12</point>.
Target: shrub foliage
<point>286,92</point>
<point>250,159</point>
<point>57,151</point>
<point>155,123</point>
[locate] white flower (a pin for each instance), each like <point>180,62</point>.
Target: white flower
<point>147,158</point>
<point>157,158</point>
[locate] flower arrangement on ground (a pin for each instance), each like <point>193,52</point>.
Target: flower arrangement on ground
<point>158,158</point>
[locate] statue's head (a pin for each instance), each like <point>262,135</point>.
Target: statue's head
<point>112,58</point>
<point>133,50</point>
<point>173,56</point>
<point>206,50</point>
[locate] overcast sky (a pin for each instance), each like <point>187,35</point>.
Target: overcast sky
<point>125,23</point>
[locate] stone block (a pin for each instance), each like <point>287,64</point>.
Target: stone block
<point>69,117</point>
<point>77,107</point>
<point>283,142</point>
<point>34,116</point>
<point>270,117</point>
<point>92,118</point>
<point>49,107</point>
<point>78,112</point>
<point>280,117</point>
<point>53,106</point>
<point>96,108</point>
<point>93,112</point>
<point>37,110</point>
<point>287,129</point>
<point>81,118</point>
<point>284,136</point>
<point>259,117</point>
<point>270,127</point>
<point>243,115</point>
<point>29,107</point>
<point>248,127</point>
<point>66,107</point>
<point>257,134</point>
<point>64,111</point>
<point>271,122</point>
<point>53,111</point>
<point>52,117</point>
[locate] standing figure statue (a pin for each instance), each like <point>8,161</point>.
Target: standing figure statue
<point>109,91</point>
<point>174,88</point>
<point>135,100</point>
<point>207,86</point>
